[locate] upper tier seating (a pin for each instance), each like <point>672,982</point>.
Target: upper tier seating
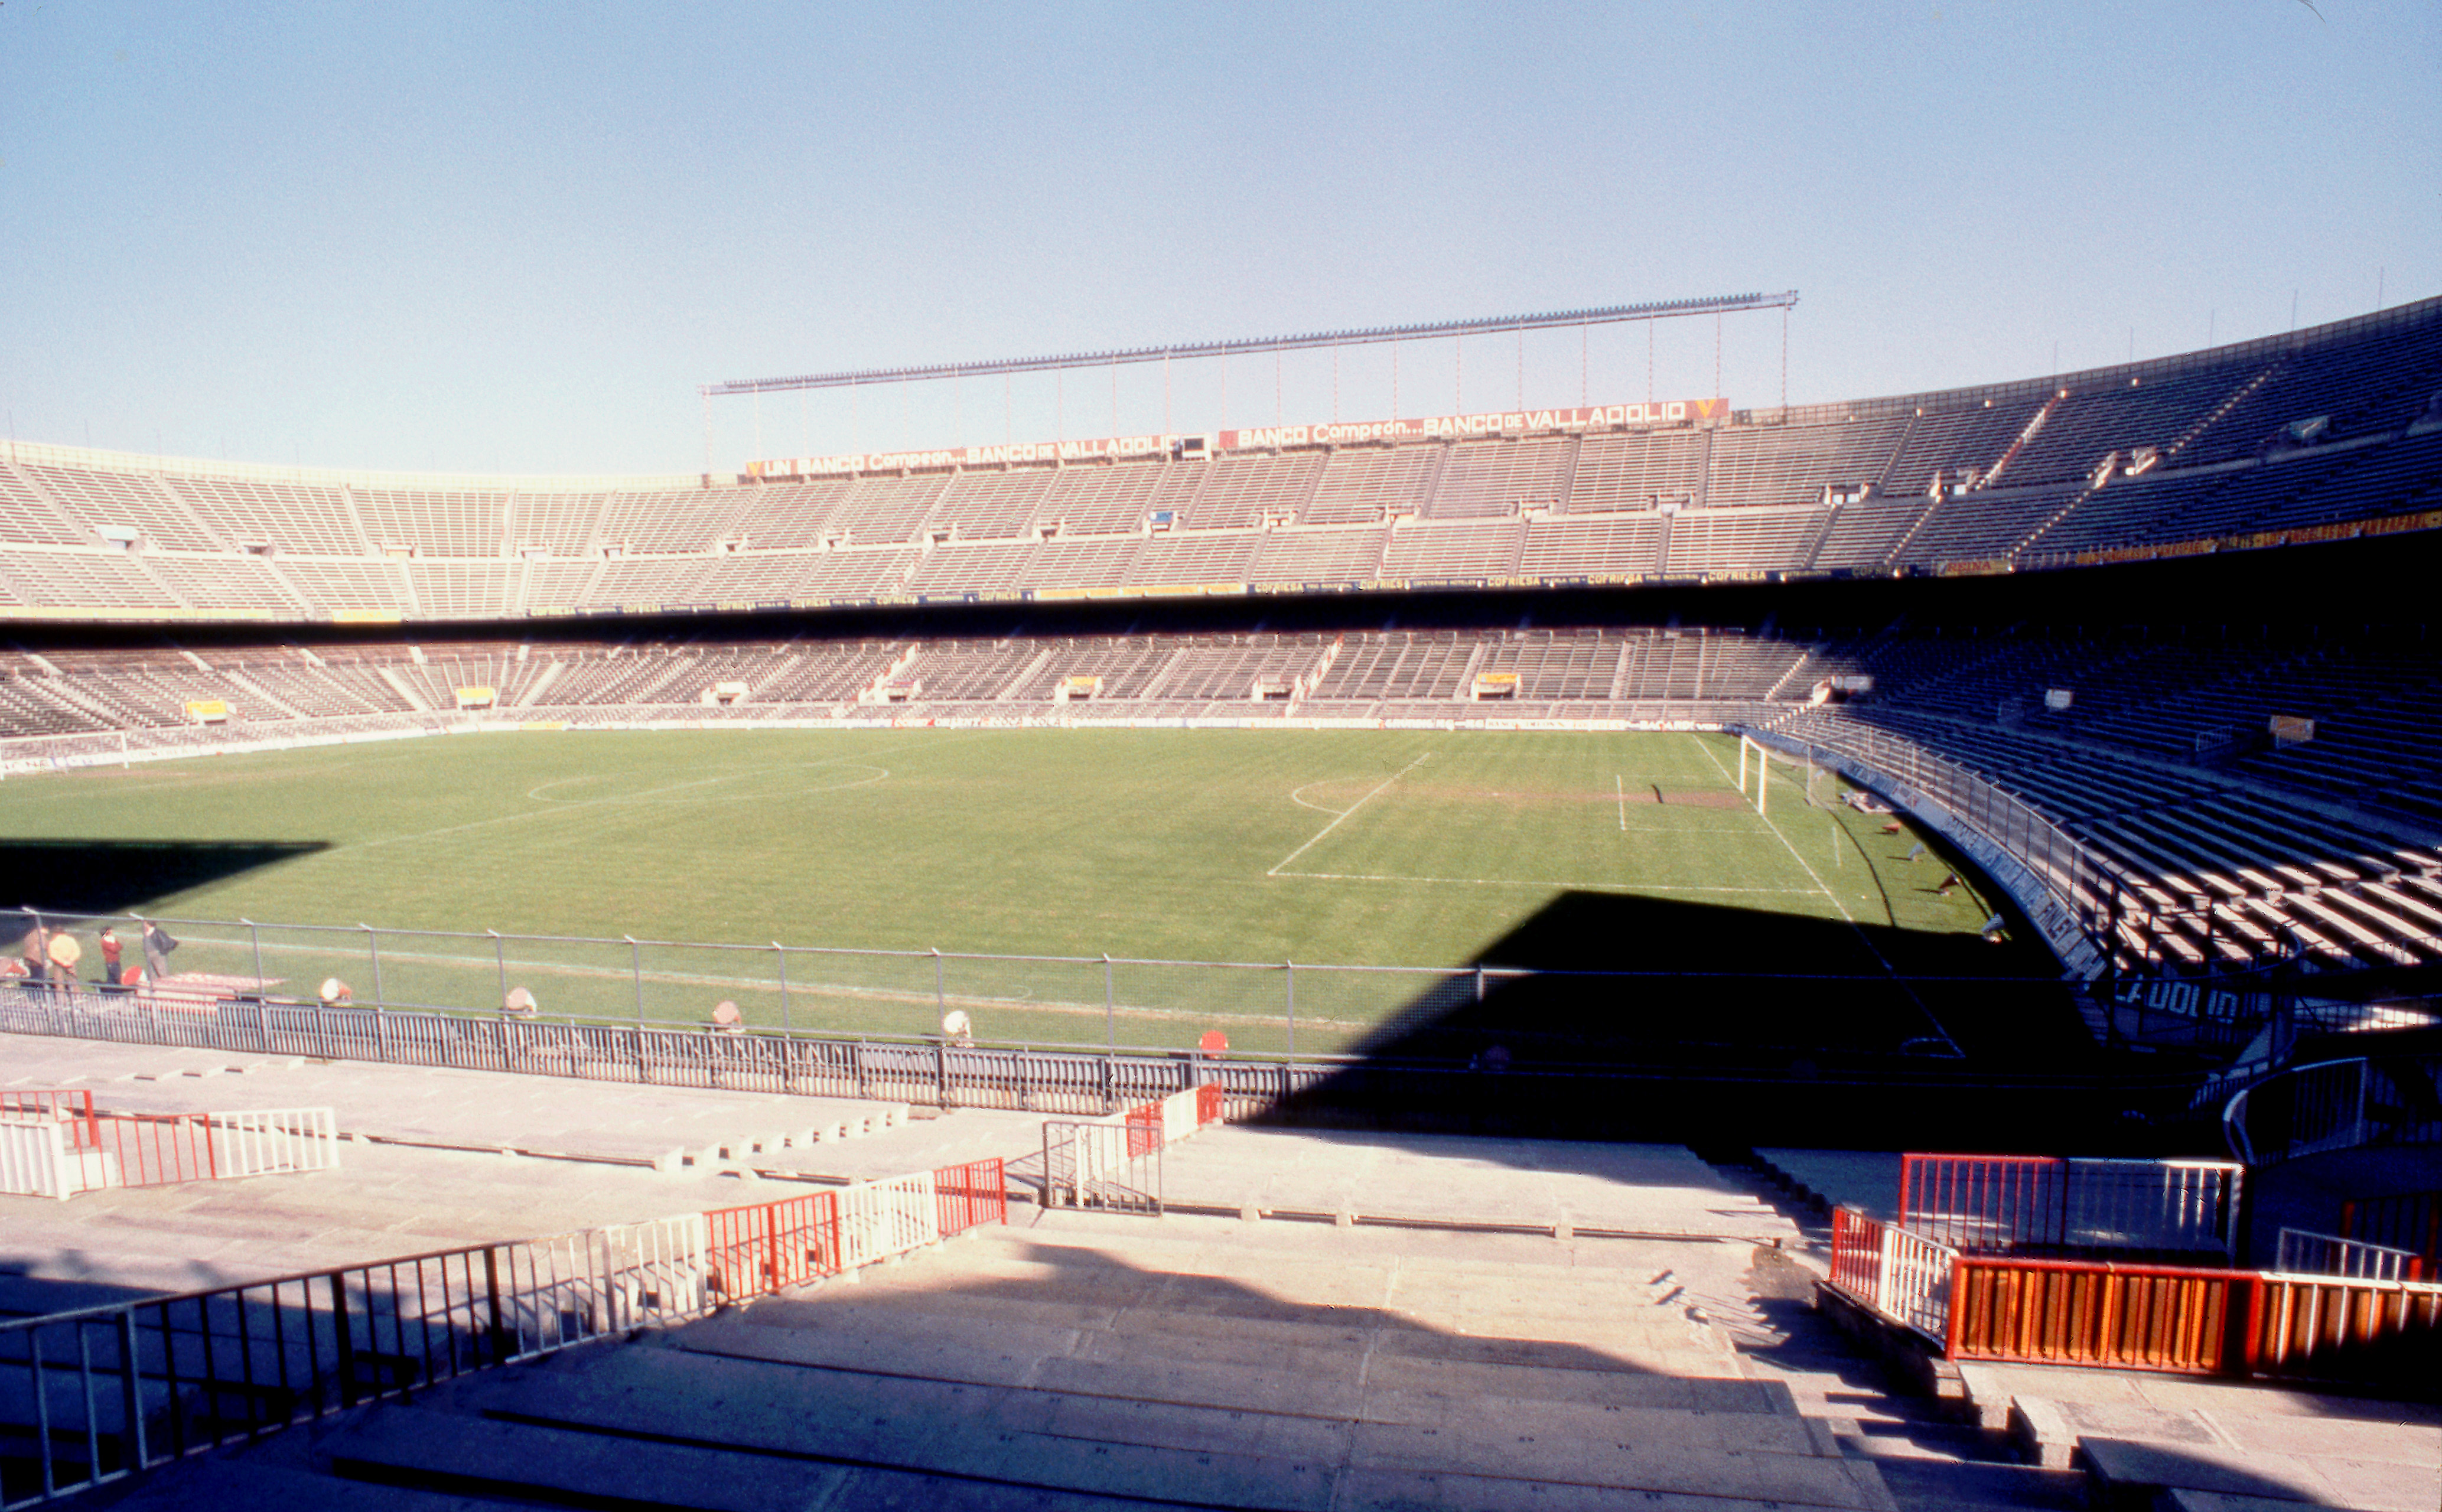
<point>2334,431</point>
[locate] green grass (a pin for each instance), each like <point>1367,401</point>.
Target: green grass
<point>1395,847</point>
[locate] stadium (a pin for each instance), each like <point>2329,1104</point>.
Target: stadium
<point>1486,920</point>
<point>2096,709</point>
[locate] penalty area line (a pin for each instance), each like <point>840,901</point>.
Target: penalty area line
<point>1822,887</point>
<point>1344,813</point>
<point>1530,882</point>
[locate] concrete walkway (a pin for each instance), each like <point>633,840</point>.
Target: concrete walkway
<point>1865,1179</point>
<point>614,1121</point>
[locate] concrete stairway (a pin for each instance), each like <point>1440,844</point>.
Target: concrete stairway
<point>1096,1362</point>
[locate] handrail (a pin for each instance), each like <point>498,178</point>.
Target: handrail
<point>121,1387</point>
<point>2336,1105</point>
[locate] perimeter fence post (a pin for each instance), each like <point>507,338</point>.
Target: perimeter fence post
<point>500,966</point>
<point>131,1384</point>
<point>1290,968</point>
<point>373,949</point>
<point>1479,981</point>
<point>636,969</point>
<point>782,953</point>
<point>256,935</point>
<point>1111,1031</point>
<point>941,999</point>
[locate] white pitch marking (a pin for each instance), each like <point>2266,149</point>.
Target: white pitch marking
<point>556,806</point>
<point>1619,786</point>
<point>1316,806</point>
<point>1824,889</point>
<point>1346,812</point>
<point>1528,881</point>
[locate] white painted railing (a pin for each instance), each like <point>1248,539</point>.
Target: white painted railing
<point>2306,1254</point>
<point>878,1219</point>
<point>33,1160</point>
<point>273,1141</point>
<point>1913,1285</point>
<point>598,1282</point>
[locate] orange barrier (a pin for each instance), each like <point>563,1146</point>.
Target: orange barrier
<point>2345,1327</point>
<point>2073,1312</point>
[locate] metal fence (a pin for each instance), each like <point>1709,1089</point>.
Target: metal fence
<point>920,1070</point>
<point>1271,1008</point>
<point>1903,1276</point>
<point>1988,1204</point>
<point>1112,1166</point>
<point>2095,1313</point>
<point>2306,1254</point>
<point>2070,897</point>
<point>2116,1315</point>
<point>95,1396</point>
<point>56,1145</point>
<point>2337,1105</point>
<point>100,1394</point>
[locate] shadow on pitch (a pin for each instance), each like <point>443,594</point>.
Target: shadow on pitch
<point>1731,1027</point>
<point>127,876</point>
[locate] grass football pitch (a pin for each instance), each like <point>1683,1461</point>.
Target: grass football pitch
<point>1423,848</point>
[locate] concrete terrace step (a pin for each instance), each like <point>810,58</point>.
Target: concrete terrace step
<point>1223,1311</point>
<point>1206,1457</point>
<point>260,1486</point>
<point>1318,1383</point>
<point>590,1464</point>
<point>1210,1312</point>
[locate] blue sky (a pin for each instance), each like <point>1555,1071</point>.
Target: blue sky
<point>486,238</point>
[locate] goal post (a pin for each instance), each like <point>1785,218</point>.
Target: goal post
<point>1763,754</point>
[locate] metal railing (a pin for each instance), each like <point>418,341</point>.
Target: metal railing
<point>2345,1328</point>
<point>2337,1105</point>
<point>2306,1254</point>
<point>2054,878</point>
<point>1075,1081</point>
<point>97,1395</point>
<point>1905,1277</point>
<point>94,1395</point>
<point>2094,1313</point>
<point>2000,1203</point>
<point>1112,1166</point>
<point>2109,1314</point>
<point>56,1145</point>
<point>1264,1006</point>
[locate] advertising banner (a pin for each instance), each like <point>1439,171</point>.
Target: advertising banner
<point>1488,423</point>
<point>1261,438</point>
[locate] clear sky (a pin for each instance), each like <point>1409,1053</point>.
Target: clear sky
<point>517,237</point>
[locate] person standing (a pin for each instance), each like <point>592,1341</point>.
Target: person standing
<point>108,941</point>
<point>38,958</point>
<point>157,946</point>
<point>64,953</point>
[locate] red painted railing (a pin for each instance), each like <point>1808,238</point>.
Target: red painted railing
<point>1983,1201</point>
<point>971,1195</point>
<point>769,1246</point>
<point>121,1149</point>
<point>1144,1129</point>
